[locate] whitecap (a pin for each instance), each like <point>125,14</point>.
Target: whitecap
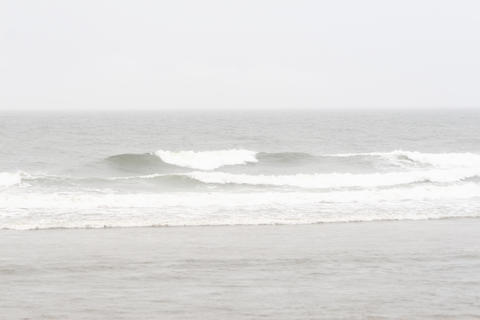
<point>207,160</point>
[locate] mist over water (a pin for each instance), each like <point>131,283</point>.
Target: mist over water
<point>151,169</point>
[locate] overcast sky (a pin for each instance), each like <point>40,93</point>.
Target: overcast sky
<point>121,55</point>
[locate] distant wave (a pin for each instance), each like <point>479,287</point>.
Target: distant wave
<point>199,160</point>
<point>327,181</point>
<point>416,167</point>
<point>215,159</point>
<point>408,168</point>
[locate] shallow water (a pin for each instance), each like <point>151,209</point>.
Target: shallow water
<point>377,270</point>
<point>213,168</point>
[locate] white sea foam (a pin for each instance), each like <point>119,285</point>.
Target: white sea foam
<point>9,179</point>
<point>46,210</point>
<point>337,180</point>
<point>207,160</point>
<point>102,199</point>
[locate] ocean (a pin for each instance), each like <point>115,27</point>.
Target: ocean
<point>96,170</point>
<point>240,215</point>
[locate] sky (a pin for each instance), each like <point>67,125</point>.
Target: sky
<point>263,54</point>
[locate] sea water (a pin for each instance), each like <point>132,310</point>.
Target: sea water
<point>95,170</point>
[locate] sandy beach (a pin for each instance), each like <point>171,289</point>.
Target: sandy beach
<point>372,270</point>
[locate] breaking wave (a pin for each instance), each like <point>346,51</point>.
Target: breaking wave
<point>197,179</point>
<point>335,180</point>
<point>215,159</point>
<point>207,160</point>
<point>238,186</point>
<point>97,210</point>
<point>199,160</point>
<point>408,168</point>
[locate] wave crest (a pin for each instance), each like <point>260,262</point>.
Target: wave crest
<point>207,160</point>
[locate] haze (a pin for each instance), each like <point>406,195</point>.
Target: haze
<point>129,55</point>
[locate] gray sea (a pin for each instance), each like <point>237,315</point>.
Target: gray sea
<point>212,168</point>
<point>240,215</point>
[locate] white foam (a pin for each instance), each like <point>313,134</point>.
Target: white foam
<point>207,160</point>
<point>75,209</point>
<point>450,195</point>
<point>336,180</point>
<point>8,179</point>
<point>436,160</point>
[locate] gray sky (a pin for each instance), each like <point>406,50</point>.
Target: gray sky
<point>120,54</point>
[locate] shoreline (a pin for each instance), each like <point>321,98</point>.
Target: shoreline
<point>167,226</point>
<point>387,270</point>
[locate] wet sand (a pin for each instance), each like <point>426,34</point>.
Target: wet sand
<point>377,270</point>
